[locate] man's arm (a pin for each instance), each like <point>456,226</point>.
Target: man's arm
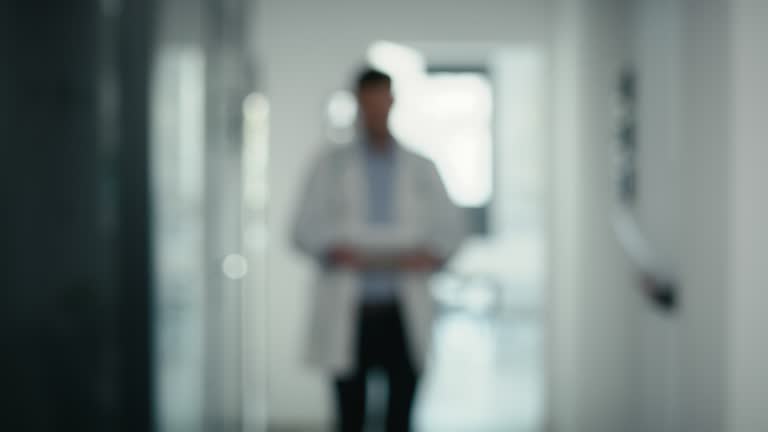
<point>314,228</point>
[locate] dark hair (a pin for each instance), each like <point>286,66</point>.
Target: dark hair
<point>370,77</point>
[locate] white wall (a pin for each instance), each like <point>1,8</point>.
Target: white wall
<point>705,178</point>
<point>748,374</point>
<point>307,50</point>
<point>591,292</point>
<point>710,55</point>
<point>682,58</point>
<point>718,148</point>
<point>641,370</point>
<point>702,99</point>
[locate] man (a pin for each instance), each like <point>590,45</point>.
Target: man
<point>377,219</point>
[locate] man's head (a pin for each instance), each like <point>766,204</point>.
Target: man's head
<point>374,98</point>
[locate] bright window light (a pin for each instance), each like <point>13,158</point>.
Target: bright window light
<point>395,59</point>
<point>449,121</point>
<point>446,117</point>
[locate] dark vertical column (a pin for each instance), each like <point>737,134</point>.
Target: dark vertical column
<point>135,215</point>
<point>52,278</point>
<point>74,238</point>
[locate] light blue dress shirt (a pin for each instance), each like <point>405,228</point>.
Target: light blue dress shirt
<point>381,168</point>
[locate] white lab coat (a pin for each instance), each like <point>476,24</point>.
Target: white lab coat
<point>333,211</point>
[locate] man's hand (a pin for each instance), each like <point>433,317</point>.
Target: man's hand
<point>345,257</point>
<point>419,261</point>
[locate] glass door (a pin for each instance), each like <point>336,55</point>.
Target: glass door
<point>202,273</point>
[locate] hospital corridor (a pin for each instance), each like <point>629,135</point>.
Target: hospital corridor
<point>383,216</point>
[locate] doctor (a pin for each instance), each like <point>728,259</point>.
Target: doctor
<point>377,220</point>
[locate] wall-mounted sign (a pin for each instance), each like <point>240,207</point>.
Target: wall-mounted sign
<point>661,288</point>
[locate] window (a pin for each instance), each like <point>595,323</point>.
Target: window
<point>444,113</point>
<point>447,116</point>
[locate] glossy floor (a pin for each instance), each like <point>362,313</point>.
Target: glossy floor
<point>486,376</point>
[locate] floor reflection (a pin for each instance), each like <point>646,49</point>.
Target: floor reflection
<point>486,374</point>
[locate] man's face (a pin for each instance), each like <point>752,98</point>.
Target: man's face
<point>375,102</point>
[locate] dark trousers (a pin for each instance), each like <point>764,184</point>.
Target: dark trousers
<point>381,344</point>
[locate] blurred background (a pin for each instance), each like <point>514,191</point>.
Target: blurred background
<point>609,154</point>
